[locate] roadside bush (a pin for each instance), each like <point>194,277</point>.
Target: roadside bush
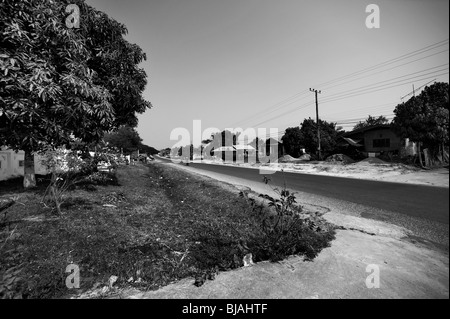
<point>87,167</point>
<point>285,229</point>
<point>274,230</point>
<point>12,285</point>
<point>216,246</point>
<point>100,179</point>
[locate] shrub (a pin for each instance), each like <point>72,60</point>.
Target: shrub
<point>285,230</point>
<point>102,178</point>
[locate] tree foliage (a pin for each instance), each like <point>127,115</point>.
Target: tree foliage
<point>125,139</point>
<point>292,141</point>
<point>425,118</point>
<point>328,136</point>
<point>60,83</point>
<point>148,149</point>
<point>370,121</point>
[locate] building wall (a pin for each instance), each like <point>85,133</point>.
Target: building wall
<point>12,164</point>
<point>395,142</point>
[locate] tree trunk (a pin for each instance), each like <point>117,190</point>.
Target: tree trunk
<point>428,160</point>
<point>29,178</point>
<point>444,154</point>
<point>54,194</point>
<point>419,153</point>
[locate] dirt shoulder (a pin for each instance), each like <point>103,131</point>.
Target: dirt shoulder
<point>407,269</point>
<point>341,271</point>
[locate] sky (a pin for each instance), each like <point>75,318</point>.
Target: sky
<point>251,63</point>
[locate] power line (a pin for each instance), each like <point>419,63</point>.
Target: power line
<point>413,91</point>
<point>373,85</point>
<point>274,107</point>
<point>388,62</point>
<point>397,66</point>
<point>371,90</point>
<point>372,108</point>
<point>408,81</point>
<point>341,95</point>
<point>357,120</point>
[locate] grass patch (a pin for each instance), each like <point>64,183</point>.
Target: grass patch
<point>155,225</point>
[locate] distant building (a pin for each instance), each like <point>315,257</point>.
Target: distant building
<point>380,139</point>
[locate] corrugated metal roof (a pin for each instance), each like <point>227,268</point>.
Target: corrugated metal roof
<point>352,142</point>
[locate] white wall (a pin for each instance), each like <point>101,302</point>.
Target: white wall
<point>12,164</point>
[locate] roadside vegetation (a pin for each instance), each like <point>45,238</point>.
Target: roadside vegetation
<point>148,225</point>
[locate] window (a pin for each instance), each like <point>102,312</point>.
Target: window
<point>21,163</point>
<point>382,142</point>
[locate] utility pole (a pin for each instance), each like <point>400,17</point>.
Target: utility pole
<point>317,120</point>
<point>418,143</point>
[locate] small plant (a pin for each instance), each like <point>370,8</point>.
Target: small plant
<point>102,178</point>
<point>286,230</point>
<point>10,281</point>
<point>63,165</point>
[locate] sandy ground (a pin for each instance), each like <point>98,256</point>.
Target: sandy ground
<point>341,271</point>
<point>347,269</point>
<point>387,172</point>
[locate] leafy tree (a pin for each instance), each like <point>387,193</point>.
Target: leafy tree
<point>63,165</point>
<point>292,141</point>
<point>61,83</point>
<point>370,121</point>
<point>425,119</point>
<point>328,136</point>
<point>125,139</point>
<point>147,149</point>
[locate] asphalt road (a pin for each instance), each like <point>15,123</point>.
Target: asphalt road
<point>428,202</point>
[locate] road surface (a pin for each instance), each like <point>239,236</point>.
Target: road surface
<point>427,202</point>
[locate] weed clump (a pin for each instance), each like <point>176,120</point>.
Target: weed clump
<point>274,229</point>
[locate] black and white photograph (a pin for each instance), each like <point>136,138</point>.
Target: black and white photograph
<point>224,158</point>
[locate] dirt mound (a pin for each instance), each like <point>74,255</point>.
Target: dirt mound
<point>305,157</point>
<point>373,160</point>
<point>287,159</point>
<point>341,158</point>
<point>290,159</point>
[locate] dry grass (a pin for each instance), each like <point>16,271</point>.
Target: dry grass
<point>158,226</point>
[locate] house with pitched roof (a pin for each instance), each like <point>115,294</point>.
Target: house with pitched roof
<point>380,139</point>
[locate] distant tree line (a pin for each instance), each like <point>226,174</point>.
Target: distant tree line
<point>127,140</point>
